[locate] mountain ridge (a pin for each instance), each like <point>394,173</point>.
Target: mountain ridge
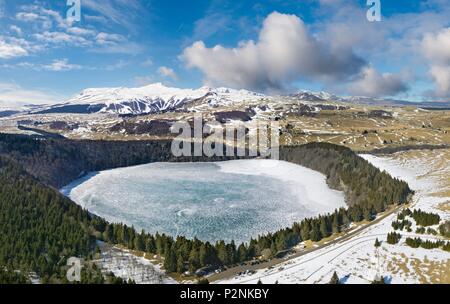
<point>158,98</point>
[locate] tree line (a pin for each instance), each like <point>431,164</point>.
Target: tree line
<point>423,218</point>
<point>393,238</point>
<point>427,244</point>
<point>41,228</point>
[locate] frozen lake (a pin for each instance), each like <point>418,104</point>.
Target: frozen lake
<point>236,199</point>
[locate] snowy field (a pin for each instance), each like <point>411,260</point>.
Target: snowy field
<point>356,260</point>
<point>211,201</point>
<point>126,265</point>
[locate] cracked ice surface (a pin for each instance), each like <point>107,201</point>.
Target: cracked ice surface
<point>236,199</point>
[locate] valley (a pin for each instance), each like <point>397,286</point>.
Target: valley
<point>411,143</point>
<point>192,145</point>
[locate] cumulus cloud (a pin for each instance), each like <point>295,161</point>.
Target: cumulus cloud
<point>374,84</point>
<point>167,72</point>
<point>11,48</point>
<point>436,48</point>
<point>284,52</point>
<point>441,76</point>
<point>396,42</point>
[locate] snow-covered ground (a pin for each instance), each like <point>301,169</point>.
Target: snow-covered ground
<point>356,260</point>
<point>156,97</point>
<point>126,265</point>
<point>427,173</point>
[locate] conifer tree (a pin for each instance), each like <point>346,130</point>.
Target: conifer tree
<point>334,278</point>
<point>194,261</point>
<point>323,228</point>
<point>335,223</point>
<point>377,243</point>
<point>180,264</point>
<point>242,253</point>
<point>170,260</point>
<point>315,234</point>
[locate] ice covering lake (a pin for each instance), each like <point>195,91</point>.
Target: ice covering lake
<point>228,200</point>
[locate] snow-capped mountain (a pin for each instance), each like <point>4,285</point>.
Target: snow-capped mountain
<point>157,98</point>
<point>315,96</point>
<point>153,98</point>
<point>311,96</point>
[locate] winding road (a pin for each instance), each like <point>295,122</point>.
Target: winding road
<point>346,243</point>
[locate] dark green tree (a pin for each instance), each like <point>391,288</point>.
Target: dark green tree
<point>334,278</point>
<point>170,260</point>
<point>377,243</point>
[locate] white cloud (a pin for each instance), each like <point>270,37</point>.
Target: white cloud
<point>59,65</point>
<point>45,17</point>
<point>120,12</point>
<point>12,95</point>
<point>397,41</point>
<point>27,16</point>
<point>441,76</point>
<point>11,48</point>
<point>51,29</point>
<point>374,84</point>
<point>130,48</point>
<point>81,31</point>
<point>284,52</point>
<point>167,72</point>
<point>109,39</point>
<point>59,38</point>
<point>110,43</point>
<point>16,30</point>
<point>436,48</point>
<point>56,17</point>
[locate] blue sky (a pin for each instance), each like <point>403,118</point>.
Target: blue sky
<point>268,46</point>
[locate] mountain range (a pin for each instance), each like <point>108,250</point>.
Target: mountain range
<point>153,98</point>
<point>157,98</point>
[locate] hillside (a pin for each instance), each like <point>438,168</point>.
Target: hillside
<point>73,231</point>
<point>40,227</point>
